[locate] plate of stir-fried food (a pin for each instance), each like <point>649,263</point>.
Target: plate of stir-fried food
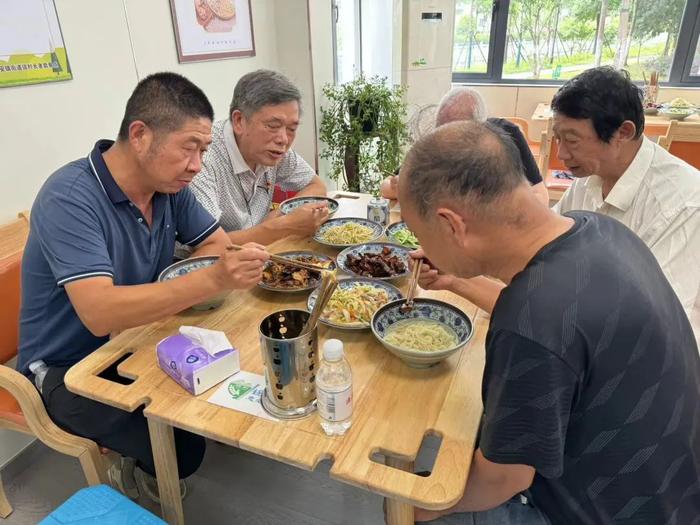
<point>289,278</point>
<point>377,260</point>
<point>354,302</point>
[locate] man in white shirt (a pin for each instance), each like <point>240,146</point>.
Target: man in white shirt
<point>250,153</point>
<point>599,123</point>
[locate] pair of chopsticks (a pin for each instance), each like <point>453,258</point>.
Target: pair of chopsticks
<point>328,285</point>
<point>284,260</point>
<point>408,305</point>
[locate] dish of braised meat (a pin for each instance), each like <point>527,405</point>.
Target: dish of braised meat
<point>382,264</point>
<point>286,276</point>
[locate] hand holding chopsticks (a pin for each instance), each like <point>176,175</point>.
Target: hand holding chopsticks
<point>285,260</point>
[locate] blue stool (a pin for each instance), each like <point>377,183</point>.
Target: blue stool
<point>100,505</point>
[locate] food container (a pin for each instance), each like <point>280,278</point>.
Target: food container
<point>290,361</point>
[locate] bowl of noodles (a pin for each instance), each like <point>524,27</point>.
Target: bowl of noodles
<point>432,331</point>
<point>348,231</point>
<point>354,302</point>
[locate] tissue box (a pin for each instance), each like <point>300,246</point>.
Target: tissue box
<point>192,366</point>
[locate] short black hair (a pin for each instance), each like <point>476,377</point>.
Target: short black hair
<point>163,101</point>
<point>467,159</point>
<point>604,95</point>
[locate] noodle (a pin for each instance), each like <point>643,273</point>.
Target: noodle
<point>348,233</point>
<point>356,304</point>
<point>424,335</point>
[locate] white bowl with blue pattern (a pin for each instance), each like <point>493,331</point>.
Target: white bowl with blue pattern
<point>392,291</point>
<point>423,308</point>
<point>190,265</point>
<point>395,228</point>
<point>374,248</point>
<point>292,204</point>
<point>377,230</point>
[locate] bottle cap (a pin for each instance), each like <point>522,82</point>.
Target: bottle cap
<point>333,350</point>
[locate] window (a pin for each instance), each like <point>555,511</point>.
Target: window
<point>472,36</point>
<point>533,41</point>
<point>362,38</point>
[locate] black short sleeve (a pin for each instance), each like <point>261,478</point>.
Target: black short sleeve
<point>532,172</point>
<point>528,394</point>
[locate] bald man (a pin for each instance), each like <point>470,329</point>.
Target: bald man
<point>591,383</point>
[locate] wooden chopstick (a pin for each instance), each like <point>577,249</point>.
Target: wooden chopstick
<point>285,260</point>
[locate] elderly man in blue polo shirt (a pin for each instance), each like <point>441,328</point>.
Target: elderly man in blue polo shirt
<point>102,229</point>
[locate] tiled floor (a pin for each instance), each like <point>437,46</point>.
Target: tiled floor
<point>231,487</point>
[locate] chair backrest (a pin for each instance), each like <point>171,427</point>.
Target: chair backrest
<point>9,306</point>
<point>548,151</point>
<point>524,127</point>
<point>655,129</point>
<point>13,237</point>
<point>682,141</point>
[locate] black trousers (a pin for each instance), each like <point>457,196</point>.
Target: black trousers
<point>120,431</point>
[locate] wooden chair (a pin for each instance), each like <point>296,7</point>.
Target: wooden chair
<point>525,128</point>
<point>682,141</point>
<point>21,407</point>
<point>549,163</point>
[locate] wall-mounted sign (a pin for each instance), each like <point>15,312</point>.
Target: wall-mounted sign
<point>31,43</point>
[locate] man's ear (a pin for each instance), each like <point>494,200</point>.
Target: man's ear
<point>627,131</point>
<point>452,225</point>
<point>237,121</point>
<point>140,136</point>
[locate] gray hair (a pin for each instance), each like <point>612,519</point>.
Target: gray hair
<point>262,88</point>
<point>461,103</point>
<point>469,161</point>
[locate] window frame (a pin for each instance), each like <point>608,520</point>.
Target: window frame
<point>679,74</point>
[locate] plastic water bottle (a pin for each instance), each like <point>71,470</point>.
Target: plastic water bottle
<point>334,389</point>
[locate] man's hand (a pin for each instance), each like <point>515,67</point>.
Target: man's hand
<point>242,269</point>
<point>306,219</point>
<point>430,278</point>
<point>390,187</point>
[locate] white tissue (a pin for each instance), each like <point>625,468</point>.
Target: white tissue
<point>212,341</point>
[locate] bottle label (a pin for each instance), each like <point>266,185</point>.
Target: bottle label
<point>334,406</point>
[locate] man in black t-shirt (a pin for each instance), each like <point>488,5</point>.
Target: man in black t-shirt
<point>591,388</point>
<point>465,104</point>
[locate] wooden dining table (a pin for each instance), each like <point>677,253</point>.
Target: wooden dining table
<point>395,406</point>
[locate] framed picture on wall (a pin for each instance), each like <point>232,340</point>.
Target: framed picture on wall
<point>212,29</point>
<point>31,43</point>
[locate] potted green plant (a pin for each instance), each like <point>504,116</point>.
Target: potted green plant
<point>364,131</point>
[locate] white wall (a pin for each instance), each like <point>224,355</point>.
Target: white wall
<point>44,126</point>
<point>111,45</point>
<point>321,40</point>
<point>294,61</point>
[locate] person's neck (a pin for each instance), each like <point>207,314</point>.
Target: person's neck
<point>616,169</point>
<point>126,174</point>
<point>519,245</point>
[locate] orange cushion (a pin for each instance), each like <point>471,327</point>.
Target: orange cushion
<point>9,306</point>
<point>9,409</point>
<point>687,151</point>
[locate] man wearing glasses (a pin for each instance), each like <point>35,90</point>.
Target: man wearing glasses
<point>250,153</point>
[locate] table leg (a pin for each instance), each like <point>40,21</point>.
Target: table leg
<point>398,513</point>
<point>165,458</point>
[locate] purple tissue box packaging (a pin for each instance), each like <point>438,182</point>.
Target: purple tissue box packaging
<point>195,369</point>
